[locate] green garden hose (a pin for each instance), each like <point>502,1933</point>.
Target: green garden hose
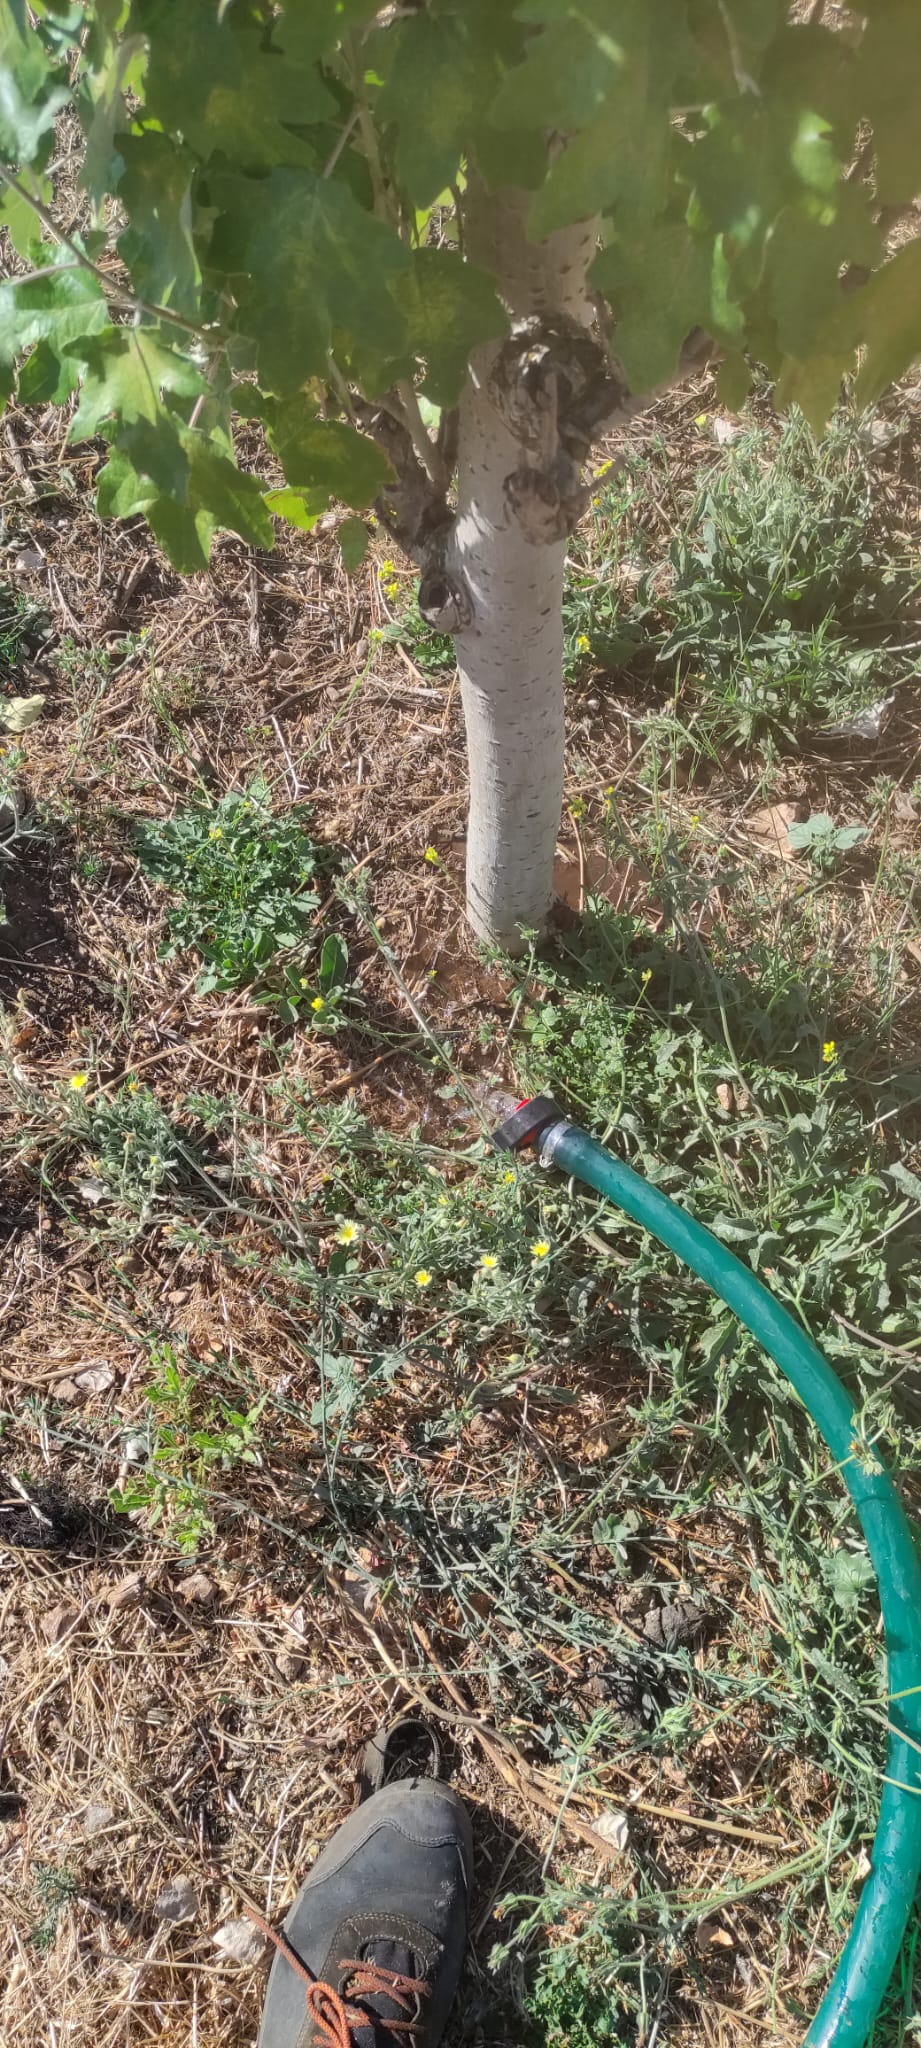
<point>853,1998</point>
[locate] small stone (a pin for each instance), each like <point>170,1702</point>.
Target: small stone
<point>199,1589</point>
<point>96,1378</point>
<point>126,1592</point>
<point>240,1941</point>
<point>58,1622</point>
<point>614,1827</point>
<point>136,1448</point>
<point>771,825</point>
<point>710,1934</point>
<point>96,1818</point>
<point>290,1666</point>
<point>177,1901</point>
<point>725,1097</point>
<point>678,1624</point>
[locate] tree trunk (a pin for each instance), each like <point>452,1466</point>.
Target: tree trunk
<point>510,656</point>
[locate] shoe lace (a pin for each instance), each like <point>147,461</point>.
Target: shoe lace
<point>336,2020</point>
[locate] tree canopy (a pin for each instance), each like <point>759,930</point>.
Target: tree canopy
<point>275,222</point>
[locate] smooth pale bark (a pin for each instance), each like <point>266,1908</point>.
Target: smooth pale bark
<point>510,658</point>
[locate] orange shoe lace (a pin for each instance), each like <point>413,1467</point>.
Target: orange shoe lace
<point>335,2020</point>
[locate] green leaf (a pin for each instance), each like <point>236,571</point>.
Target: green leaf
<point>449,307</point>
<point>17,216</point>
<point>814,386</point>
<point>328,456</point>
<point>904,1179</point>
<point>334,963</point>
<point>155,189</point>
<point>620,161</point>
<point>207,491</point>
<point>567,71</point>
<point>230,497</point>
<point>806,254</point>
<point>660,287</point>
<point>850,1576</point>
<point>510,156</point>
<point>127,370</point>
<point>44,379</point>
<point>155,448</point>
<point>442,69</point>
<point>184,532</point>
<point>888,310</point>
<point>727,38</point>
<point>758,157</point>
<point>890,98</point>
<point>120,490</point>
<point>228,86</point>
<point>353,538</point>
<point>621,157</point>
<point>309,260</point>
<point>60,309</point>
<point>298,507</point>
<point>810,66</point>
<point>733,381</point>
<point>31,93</point>
<point>105,92</point>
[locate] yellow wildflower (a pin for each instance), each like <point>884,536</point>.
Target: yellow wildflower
<point>829,1052</point>
<point>488,1262</point>
<point>583,643</point>
<point>78,1081</point>
<point>215,832</point>
<point>540,1249</point>
<point>422,1278</point>
<point>433,856</point>
<point>318,1003</point>
<point>347,1233</point>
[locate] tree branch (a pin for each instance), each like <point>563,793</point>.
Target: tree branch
<point>426,451</point>
<point>368,132</point>
<point>119,293</point>
<point>413,508</point>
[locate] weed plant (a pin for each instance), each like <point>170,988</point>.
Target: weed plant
<point>244,886</point>
<point>22,628</point>
<point>131,1146</point>
<point>772,610</point>
<point>195,1438</point>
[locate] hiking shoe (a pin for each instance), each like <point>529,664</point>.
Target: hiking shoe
<point>372,1948</point>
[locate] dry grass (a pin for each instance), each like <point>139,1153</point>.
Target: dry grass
<point>166,1719</point>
